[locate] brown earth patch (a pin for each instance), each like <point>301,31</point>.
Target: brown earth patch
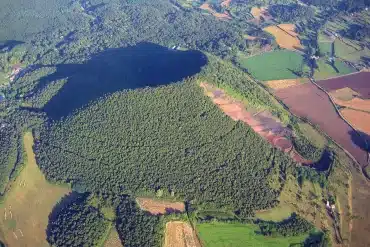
<point>285,83</point>
<point>207,7</point>
<point>285,39</point>
<point>360,120</point>
<point>307,101</point>
<point>180,234</point>
<point>260,12</point>
<point>355,103</point>
<point>226,3</point>
<point>358,82</point>
<point>249,37</point>
<point>157,207</point>
<point>113,239</point>
<point>263,123</point>
<point>289,28</point>
<point>344,94</point>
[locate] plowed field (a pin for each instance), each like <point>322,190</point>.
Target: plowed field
<point>359,82</point>
<point>308,101</point>
<point>180,234</point>
<point>356,104</point>
<point>280,84</point>
<point>360,120</point>
<point>159,206</point>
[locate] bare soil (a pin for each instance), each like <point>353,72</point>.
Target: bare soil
<point>285,83</point>
<point>344,94</point>
<point>157,207</point>
<point>263,123</point>
<point>287,39</point>
<point>226,3</point>
<point>359,119</point>
<point>207,7</point>
<point>307,101</point>
<point>355,103</point>
<point>359,82</point>
<point>180,234</point>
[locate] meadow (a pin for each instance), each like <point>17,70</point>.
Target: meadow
<point>275,65</point>
<point>28,203</point>
<point>217,234</point>
<point>326,70</point>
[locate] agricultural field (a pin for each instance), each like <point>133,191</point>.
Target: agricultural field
<point>285,36</point>
<point>285,83</point>
<point>28,203</point>
<point>180,234</point>
<point>217,234</point>
<point>327,70</point>
<point>275,65</point>
<point>304,100</point>
<point>279,213</point>
<point>157,206</point>
<point>360,120</point>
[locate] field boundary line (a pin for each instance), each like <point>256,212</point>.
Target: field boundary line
<point>345,120</point>
<point>260,84</point>
<point>340,76</point>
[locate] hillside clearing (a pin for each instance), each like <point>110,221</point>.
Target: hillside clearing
<point>156,207</point>
<point>113,239</point>
<point>219,234</point>
<point>275,65</point>
<point>285,36</point>
<point>360,120</point>
<point>28,204</point>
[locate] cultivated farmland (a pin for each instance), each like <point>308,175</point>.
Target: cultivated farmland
<point>359,82</point>
<point>359,119</point>
<point>155,206</point>
<point>217,234</point>
<point>285,83</point>
<point>285,36</point>
<point>180,234</point>
<point>326,70</point>
<point>28,204</point>
<point>304,100</point>
<point>275,65</point>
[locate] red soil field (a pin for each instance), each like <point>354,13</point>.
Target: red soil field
<point>263,123</point>
<point>307,101</point>
<point>359,82</point>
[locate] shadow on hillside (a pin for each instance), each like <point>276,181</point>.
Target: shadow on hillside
<point>360,139</point>
<point>8,45</point>
<point>325,161</point>
<point>143,65</point>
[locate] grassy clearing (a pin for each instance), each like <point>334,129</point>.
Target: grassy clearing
<point>312,135</point>
<point>113,239</point>
<point>326,48</point>
<point>25,210</point>
<point>325,70</point>
<point>276,65</point>
<point>217,234</point>
<point>279,213</point>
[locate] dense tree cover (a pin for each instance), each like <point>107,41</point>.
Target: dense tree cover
<point>305,148</point>
<point>12,126</point>
<point>137,228</point>
<point>306,173</point>
<point>293,226</point>
<point>291,12</point>
<point>76,224</point>
<point>348,5</point>
<point>130,141</point>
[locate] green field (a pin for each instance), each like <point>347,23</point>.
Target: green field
<point>218,234</point>
<point>276,65</point>
<point>325,70</point>
<point>279,213</point>
<point>325,48</point>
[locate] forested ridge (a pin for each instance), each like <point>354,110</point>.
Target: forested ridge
<point>171,138</point>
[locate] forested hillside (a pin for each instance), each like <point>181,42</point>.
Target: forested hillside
<point>130,141</point>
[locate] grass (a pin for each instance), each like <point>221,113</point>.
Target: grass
<point>113,239</point>
<point>28,204</point>
<point>349,50</point>
<point>325,48</point>
<point>217,234</point>
<point>279,213</point>
<point>276,65</point>
<point>312,135</point>
<point>325,70</point>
